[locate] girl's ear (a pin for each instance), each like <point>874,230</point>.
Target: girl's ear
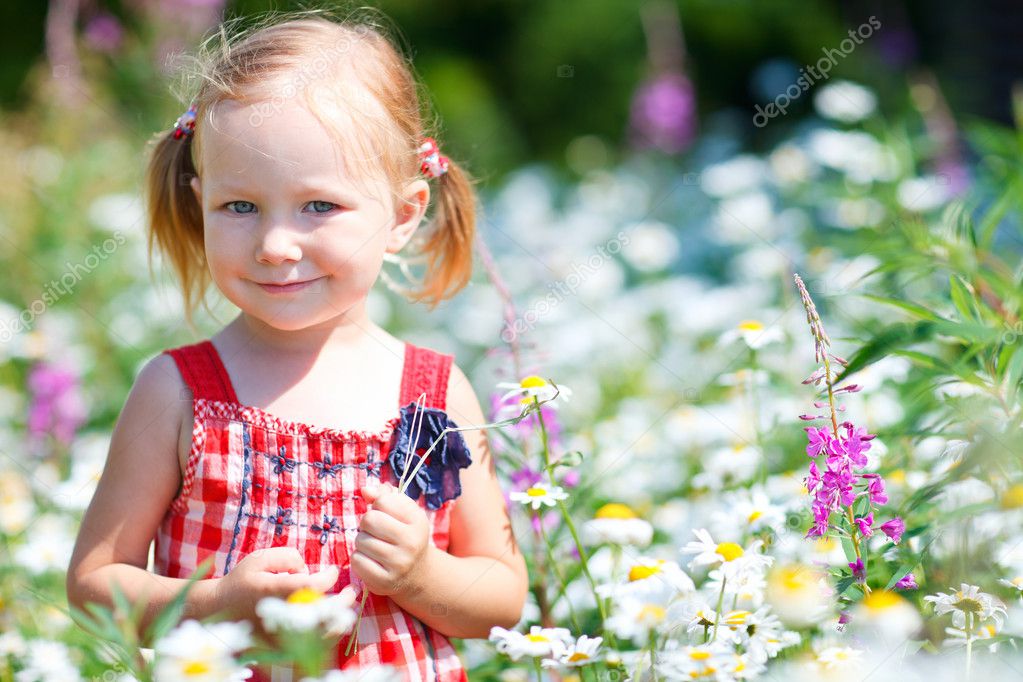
<point>196,188</point>
<point>409,213</point>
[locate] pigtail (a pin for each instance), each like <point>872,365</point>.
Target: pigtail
<point>175,217</point>
<point>449,247</point>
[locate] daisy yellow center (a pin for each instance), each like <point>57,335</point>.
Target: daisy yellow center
<point>652,612</point>
<point>729,550</point>
<point>1018,582</point>
<point>304,595</point>
<point>756,514</point>
<point>1013,497</point>
<point>736,617</point>
<point>532,381</point>
<point>989,630</point>
<point>196,668</point>
<point>577,656</point>
<point>751,326</point>
<point>841,655</point>
<point>969,605</point>
<point>793,577</point>
<point>898,477</point>
<point>699,655</point>
<point>640,572</point>
<point>536,492</point>
<point>881,600</point>
<point>615,510</point>
<point>537,638</point>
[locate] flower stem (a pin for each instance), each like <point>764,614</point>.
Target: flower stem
<point>571,527</point>
<point>969,644</point>
<point>557,571</point>
<point>539,669</point>
<point>717,610</point>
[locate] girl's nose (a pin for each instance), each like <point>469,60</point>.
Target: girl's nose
<point>279,244</point>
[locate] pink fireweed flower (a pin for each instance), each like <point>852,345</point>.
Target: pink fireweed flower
<point>864,523</point>
<point>908,582</point>
<point>894,529</point>
<point>875,488</point>
<point>820,440</point>
<point>859,571</point>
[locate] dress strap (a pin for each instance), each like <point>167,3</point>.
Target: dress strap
<point>204,372</point>
<point>426,371</point>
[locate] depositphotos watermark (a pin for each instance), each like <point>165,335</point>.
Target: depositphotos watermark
<point>808,75</point>
<point>58,288</point>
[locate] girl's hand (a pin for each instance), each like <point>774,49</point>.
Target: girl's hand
<point>393,541</point>
<point>270,572</point>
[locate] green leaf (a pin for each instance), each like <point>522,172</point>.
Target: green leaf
<point>904,570</point>
<point>989,223</point>
<point>172,613</point>
<point>962,298</point>
<point>912,308</point>
<point>844,584</point>
<point>886,341</point>
<point>850,551</point>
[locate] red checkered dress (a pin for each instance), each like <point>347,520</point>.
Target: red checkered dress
<point>254,480</point>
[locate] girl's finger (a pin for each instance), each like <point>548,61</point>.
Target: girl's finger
<point>373,547</point>
<point>367,568</point>
<point>280,559</point>
<point>382,525</point>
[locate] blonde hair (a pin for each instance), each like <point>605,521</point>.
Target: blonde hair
<point>382,103</point>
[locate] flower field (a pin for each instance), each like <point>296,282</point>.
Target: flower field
<point>756,409</point>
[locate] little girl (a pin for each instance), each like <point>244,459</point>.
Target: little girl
<point>274,448</point>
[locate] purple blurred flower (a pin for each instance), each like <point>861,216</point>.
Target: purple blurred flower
<point>56,404</point>
<point>894,529</point>
<point>663,113</point>
<point>908,582</point>
<point>527,427</point>
<point>571,478</point>
<point>859,571</point>
<point>550,520</point>
<point>104,33</point>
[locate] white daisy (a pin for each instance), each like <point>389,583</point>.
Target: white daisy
<point>730,556</point>
<point>539,642</point>
<point>845,101</point>
<point>968,599</point>
<point>888,614</point>
<point>581,652</point>
<point>636,615</point>
<point>745,587</point>
<point>307,609</point>
<point>646,575</point>
<point>535,387</point>
<point>695,662</point>
<point>538,495</point>
<point>47,660</point>
<point>202,653</point>
<point>839,657</point>
<point>617,524</point>
<point>753,333</point>
<point>1016,583</point>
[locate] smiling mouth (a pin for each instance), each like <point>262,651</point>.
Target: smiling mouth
<point>287,288</point>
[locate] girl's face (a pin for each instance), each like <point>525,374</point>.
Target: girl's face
<point>280,207</point>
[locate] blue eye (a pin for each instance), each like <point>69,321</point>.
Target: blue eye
<point>325,205</point>
<point>249,204</point>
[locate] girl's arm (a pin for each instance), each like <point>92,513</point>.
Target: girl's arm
<point>481,581</point>
<point>140,479</point>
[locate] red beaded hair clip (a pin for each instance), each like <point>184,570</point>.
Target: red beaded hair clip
<point>185,124</point>
<point>433,163</point>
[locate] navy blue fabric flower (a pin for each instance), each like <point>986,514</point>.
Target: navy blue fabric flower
<point>438,479</point>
